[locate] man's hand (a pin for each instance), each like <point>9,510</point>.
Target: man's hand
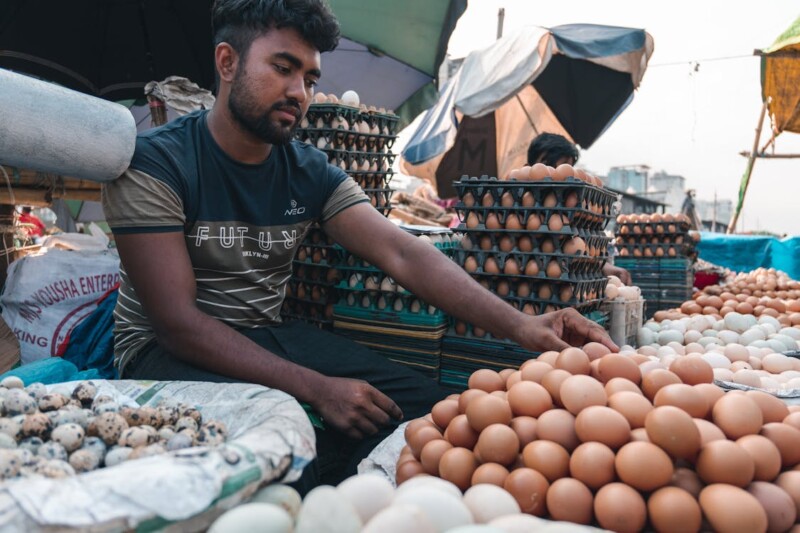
<point>560,330</point>
<point>623,275</point>
<point>355,407</point>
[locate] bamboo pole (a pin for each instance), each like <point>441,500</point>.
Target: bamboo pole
<point>761,155</point>
<point>749,169</point>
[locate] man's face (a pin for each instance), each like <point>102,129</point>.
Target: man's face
<point>274,84</point>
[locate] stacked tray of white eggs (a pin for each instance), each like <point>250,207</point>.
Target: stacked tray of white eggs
<point>536,239</point>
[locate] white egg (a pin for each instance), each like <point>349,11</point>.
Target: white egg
<point>777,363</point>
<point>735,322</point>
<point>711,333</point>
<point>645,336</point>
<point>788,342</point>
<point>723,374</point>
<point>719,325</point>
<point>770,384</point>
<point>728,337</point>
<point>611,291</point>
<point>759,344</point>
<point>716,360</point>
<point>653,326</point>
<point>324,509</point>
<point>695,347</point>
<point>444,510</point>
<point>400,518</point>
<point>755,363</point>
<point>677,347</point>
<point>768,329</point>
<point>776,345</point>
<point>614,280</point>
<point>487,502</point>
<point>793,383</point>
<point>665,351</point>
<point>647,350</point>
<point>691,336</point>
<point>248,517</point>
<point>626,348</point>
<point>281,495</point>
<point>519,523</point>
<point>350,98</point>
<point>791,332</point>
<point>476,528</point>
<point>751,320</point>
<point>736,352</point>
<point>791,374</point>
<point>754,352</point>
<point>432,482</point>
<point>747,377</point>
<point>648,366</point>
<point>678,325</point>
<point>697,323</point>
<point>670,335</point>
<point>706,341</point>
<point>768,320</point>
<point>368,493</point>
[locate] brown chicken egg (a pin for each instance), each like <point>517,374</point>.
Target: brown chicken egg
<point>548,458</point>
<point>457,465</point>
<point>539,172</point>
<point>674,509</point>
<point>491,473</point>
<point>563,172</point>
<point>620,508</point>
<point>529,488</point>
<point>512,222</point>
<point>593,464</point>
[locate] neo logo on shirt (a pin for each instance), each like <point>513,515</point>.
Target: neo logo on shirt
<point>295,210</point>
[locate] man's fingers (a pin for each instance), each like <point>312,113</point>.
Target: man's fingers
<point>386,404</point>
<point>366,427</point>
<point>599,335</point>
<point>552,342</point>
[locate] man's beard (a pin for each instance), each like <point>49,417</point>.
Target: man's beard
<point>243,109</point>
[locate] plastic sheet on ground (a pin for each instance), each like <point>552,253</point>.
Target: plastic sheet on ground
<point>789,396</point>
<point>270,439</point>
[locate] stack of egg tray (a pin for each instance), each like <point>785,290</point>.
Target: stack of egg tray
<point>665,282</point>
<point>311,291</point>
<point>338,131</point>
<point>655,239</point>
<point>519,274</point>
<point>372,310</point>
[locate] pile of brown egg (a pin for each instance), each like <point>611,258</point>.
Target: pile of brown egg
<point>655,235</point>
<point>586,436</point>
<point>53,435</point>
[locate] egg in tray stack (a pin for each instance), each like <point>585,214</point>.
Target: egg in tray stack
<point>358,140</point>
<point>537,242</point>
<point>374,310</point>
<point>658,250</point>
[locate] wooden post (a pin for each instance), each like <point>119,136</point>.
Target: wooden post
<point>748,170</point>
<point>7,250</point>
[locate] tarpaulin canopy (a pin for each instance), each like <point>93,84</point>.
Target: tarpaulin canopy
<point>743,253</point>
<point>780,80</point>
<point>573,80</point>
<point>389,53</point>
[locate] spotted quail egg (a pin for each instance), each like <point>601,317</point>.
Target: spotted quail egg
<point>37,425</point>
<point>101,399</point>
<point>186,422</point>
<point>193,413</point>
<point>70,436</point>
<point>94,445</point>
<point>36,390</point>
<point>117,455</point>
<point>25,456</point>
<point>31,444</point>
<point>141,416</point>
<point>12,382</point>
<point>181,440</point>
<point>52,402</point>
<point>84,460</point>
<point>7,442</point>
<point>211,434</point>
<point>55,468</point>
<point>19,402</point>
<point>52,450</point>
<point>11,427</point>
<point>10,464</point>
<point>108,426</point>
<point>166,433</point>
<point>85,392</point>
<point>147,451</point>
<point>134,437</point>
<point>106,407</point>
<point>169,414</point>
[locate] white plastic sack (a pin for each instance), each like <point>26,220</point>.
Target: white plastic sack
<point>47,294</point>
<point>269,438</point>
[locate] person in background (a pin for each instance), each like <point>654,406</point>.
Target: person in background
<point>34,226</point>
<point>553,150</point>
<point>209,217</point>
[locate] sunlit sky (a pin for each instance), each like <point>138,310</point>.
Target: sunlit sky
<point>687,122</point>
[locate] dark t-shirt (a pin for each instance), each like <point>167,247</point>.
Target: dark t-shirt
<point>242,223</point>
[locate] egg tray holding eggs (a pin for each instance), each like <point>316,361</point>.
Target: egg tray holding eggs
<point>371,180</point>
<point>316,236</point>
<point>572,267</point>
<point>388,306</point>
<point>313,274</point>
<point>310,292</point>
<point>674,240</point>
<point>317,254</point>
<point>497,238</point>
<point>500,218</point>
<point>306,312</point>
<point>648,251</point>
<point>347,157</point>
<point>487,192</point>
<point>380,199</point>
<point>352,263</point>
<point>328,112</point>
<point>368,281</point>
<point>654,228</point>
<point>581,291</point>
<point>347,139</point>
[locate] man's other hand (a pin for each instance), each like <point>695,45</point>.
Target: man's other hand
<point>355,407</point>
<point>560,330</point>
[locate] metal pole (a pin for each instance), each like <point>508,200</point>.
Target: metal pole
<point>501,15</point>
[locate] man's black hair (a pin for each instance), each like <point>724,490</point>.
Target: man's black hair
<point>553,147</point>
<point>26,209</point>
<point>240,22</point>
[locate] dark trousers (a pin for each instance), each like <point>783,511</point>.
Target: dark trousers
<point>331,355</point>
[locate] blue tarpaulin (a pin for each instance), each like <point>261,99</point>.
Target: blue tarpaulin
<point>743,253</point>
